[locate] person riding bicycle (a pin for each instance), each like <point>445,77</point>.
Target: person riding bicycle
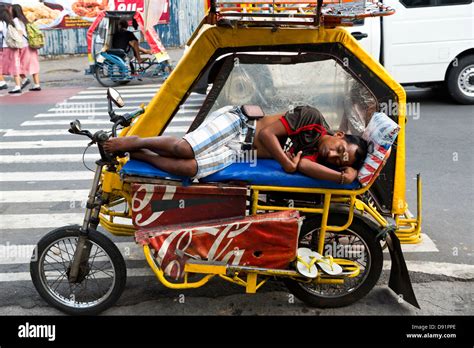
<point>126,40</point>
<point>217,143</point>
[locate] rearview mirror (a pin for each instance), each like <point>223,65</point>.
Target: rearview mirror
<point>115,96</point>
<point>76,126</point>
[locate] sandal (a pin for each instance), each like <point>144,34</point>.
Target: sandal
<point>327,264</point>
<point>306,263</point>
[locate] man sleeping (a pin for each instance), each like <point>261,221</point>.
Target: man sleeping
<point>221,138</point>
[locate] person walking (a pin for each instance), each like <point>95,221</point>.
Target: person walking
<point>3,36</point>
<point>10,55</point>
<point>29,61</point>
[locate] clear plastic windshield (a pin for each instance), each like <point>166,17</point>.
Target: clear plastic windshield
<point>322,83</point>
<point>345,103</point>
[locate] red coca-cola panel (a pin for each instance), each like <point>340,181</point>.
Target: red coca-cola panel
<point>161,205</point>
<point>264,240</point>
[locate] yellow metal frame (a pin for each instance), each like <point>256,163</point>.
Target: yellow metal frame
<point>251,274</point>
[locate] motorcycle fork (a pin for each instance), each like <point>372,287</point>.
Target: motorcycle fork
<point>91,220</point>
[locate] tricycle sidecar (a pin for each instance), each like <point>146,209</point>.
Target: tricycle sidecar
<point>279,63</point>
<point>112,66</point>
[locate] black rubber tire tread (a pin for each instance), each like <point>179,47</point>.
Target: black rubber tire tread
<point>105,243</point>
<point>106,82</point>
<point>452,80</point>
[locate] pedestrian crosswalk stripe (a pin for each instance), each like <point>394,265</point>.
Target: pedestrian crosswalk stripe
<point>102,115</point>
<point>135,101</point>
<point>102,121</point>
<point>78,109</point>
<point>123,92</point>
<point>119,88</point>
<point>43,144</point>
<point>63,122</point>
<point>72,114</point>
<point>128,102</point>
<point>78,97</point>
<point>11,254</point>
<point>145,96</point>
<point>47,158</point>
<point>25,276</point>
<point>64,131</point>
<point>72,108</point>
<point>459,271</point>
<point>46,176</point>
<point>43,196</point>
<point>35,221</point>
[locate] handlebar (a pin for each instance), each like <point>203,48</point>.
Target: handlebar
<point>125,120</point>
<point>100,137</point>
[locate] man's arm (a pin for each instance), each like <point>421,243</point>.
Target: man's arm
<point>269,137</point>
<point>319,171</point>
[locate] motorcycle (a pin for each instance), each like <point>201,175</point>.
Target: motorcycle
<point>249,222</point>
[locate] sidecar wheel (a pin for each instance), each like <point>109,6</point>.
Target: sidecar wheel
<point>101,74</point>
<point>100,283</point>
<point>359,237</point>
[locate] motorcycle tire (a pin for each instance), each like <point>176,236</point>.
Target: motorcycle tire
<point>369,277</point>
<point>103,79</point>
<point>102,248</point>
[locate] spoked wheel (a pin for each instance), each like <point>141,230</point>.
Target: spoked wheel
<point>103,74</point>
<point>100,281</point>
<point>358,243</point>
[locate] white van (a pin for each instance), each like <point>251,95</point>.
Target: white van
<point>426,43</point>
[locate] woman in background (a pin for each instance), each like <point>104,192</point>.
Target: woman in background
<point>10,56</point>
<point>3,37</point>
<point>29,61</point>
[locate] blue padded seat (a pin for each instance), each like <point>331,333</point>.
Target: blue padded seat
<point>267,172</point>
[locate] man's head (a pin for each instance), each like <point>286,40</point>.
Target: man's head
<point>343,150</point>
<point>123,24</point>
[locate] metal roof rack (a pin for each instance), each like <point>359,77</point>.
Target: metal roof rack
<point>296,12</point>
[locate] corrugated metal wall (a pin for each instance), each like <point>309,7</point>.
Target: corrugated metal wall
<point>64,41</point>
<point>185,16</point>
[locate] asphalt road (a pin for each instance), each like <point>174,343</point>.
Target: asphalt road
<point>33,201</point>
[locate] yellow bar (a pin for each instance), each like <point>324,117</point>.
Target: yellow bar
<point>329,281</point>
<point>251,287</point>
<point>311,190</point>
<point>324,222</point>
<point>205,269</point>
<point>306,210</point>
<point>159,274</point>
<point>254,202</point>
<point>349,219</point>
<point>419,203</point>
<point>235,280</point>
<point>407,221</point>
<point>374,213</point>
<point>116,229</point>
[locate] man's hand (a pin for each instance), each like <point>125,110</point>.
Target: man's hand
<point>350,174</point>
<point>292,166</point>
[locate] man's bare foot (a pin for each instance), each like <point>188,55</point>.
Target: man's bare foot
<point>123,144</point>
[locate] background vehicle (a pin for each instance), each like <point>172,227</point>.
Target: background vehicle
<point>427,43</point>
<point>113,67</point>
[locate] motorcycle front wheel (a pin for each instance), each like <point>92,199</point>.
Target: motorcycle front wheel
<point>101,280</point>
